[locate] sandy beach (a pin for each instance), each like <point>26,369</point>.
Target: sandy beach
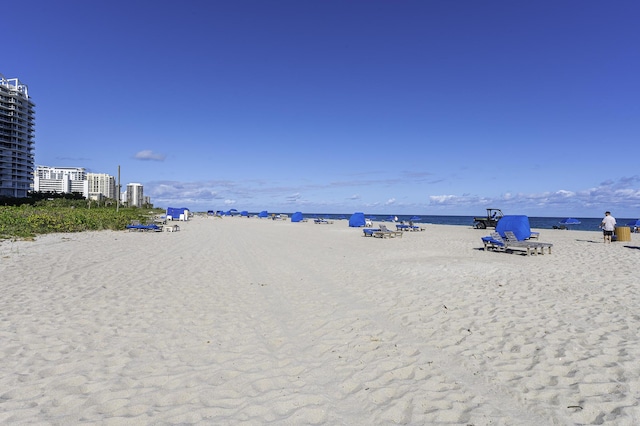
<point>250,321</point>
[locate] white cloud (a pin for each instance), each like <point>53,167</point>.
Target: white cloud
<point>566,194</point>
<point>444,199</point>
<point>148,155</point>
<point>293,197</point>
<point>616,195</point>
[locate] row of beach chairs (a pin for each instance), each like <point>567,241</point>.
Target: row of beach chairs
<point>152,227</point>
<point>404,227</point>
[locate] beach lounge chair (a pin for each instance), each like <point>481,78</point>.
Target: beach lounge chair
<point>493,242</point>
<point>384,232</point>
<point>496,242</point>
<point>139,227</point>
<point>410,227</point>
<point>511,238</point>
<point>323,221</point>
<point>368,232</point>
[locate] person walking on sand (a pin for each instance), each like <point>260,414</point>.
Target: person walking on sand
<point>608,225</point>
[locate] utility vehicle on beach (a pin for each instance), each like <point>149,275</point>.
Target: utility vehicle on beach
<point>490,220</point>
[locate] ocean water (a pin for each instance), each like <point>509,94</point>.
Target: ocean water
<point>586,224</point>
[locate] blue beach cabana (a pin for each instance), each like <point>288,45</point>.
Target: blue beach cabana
<point>357,220</point>
<point>518,224</point>
<point>297,217</point>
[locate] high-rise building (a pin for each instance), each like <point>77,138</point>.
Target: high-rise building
<point>17,134</point>
<point>101,185</point>
<point>135,197</point>
<point>61,180</point>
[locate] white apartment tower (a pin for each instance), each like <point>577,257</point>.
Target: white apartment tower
<point>101,185</point>
<point>135,197</point>
<point>17,117</point>
<point>61,180</point>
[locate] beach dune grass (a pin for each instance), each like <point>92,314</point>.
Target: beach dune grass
<point>28,221</point>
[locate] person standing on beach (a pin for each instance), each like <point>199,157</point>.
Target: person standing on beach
<point>608,225</point>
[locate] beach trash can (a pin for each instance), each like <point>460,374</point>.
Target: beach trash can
<point>623,233</point>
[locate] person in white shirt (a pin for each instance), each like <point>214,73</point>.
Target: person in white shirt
<point>608,225</point>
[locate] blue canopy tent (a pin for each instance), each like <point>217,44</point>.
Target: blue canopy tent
<point>244,213</point>
<point>357,220</point>
<point>263,213</point>
<point>518,224</point>
<point>634,225</point>
<point>296,217</point>
<point>174,213</point>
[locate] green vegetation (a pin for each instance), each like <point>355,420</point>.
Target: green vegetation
<point>65,215</point>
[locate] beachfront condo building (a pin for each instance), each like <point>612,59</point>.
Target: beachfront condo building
<point>101,186</point>
<point>61,180</point>
<point>17,138</point>
<point>135,197</point>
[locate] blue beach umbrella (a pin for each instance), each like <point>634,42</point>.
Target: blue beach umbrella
<point>634,223</point>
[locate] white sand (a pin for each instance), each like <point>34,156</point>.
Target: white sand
<point>255,321</point>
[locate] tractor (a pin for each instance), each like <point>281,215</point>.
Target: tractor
<point>490,220</point>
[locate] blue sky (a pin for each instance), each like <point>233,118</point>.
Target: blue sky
<point>404,107</point>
